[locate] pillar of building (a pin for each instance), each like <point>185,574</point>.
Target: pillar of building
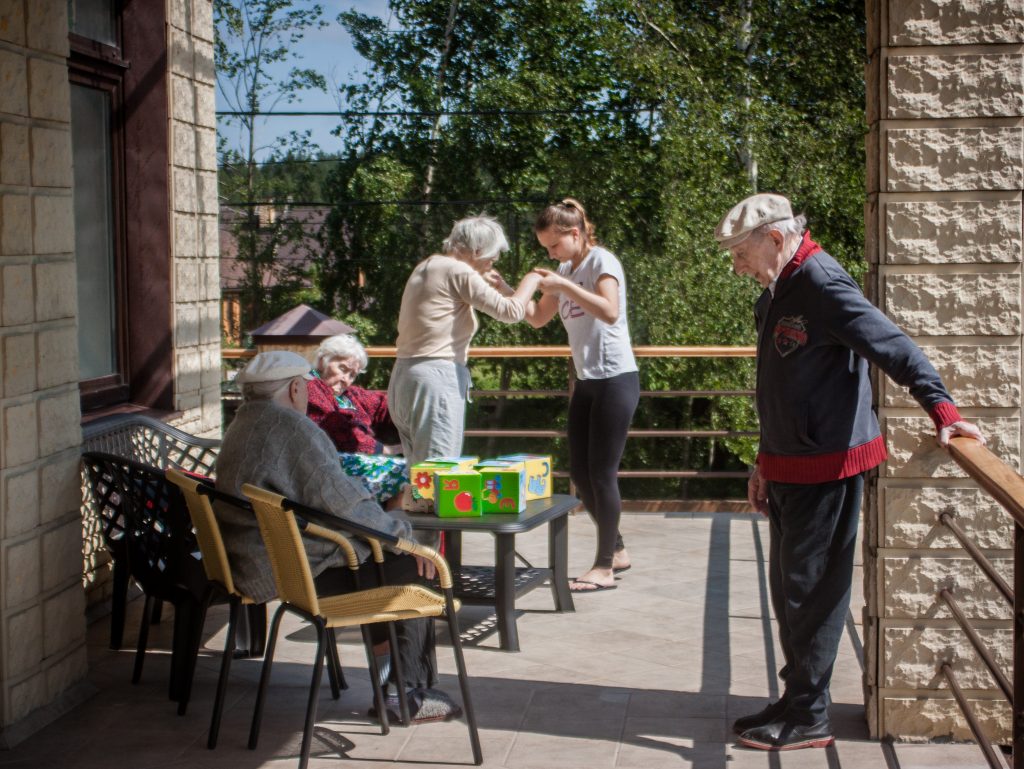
<point>42,622</point>
<point>945,169</point>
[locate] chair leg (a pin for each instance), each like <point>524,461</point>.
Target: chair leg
<point>396,664</point>
<point>378,692</point>
<point>140,651</point>
<point>334,673</point>
<point>158,612</point>
<point>225,669</point>
<point>460,664</point>
<point>268,661</point>
<point>314,693</point>
<point>187,670</point>
<point>118,603</point>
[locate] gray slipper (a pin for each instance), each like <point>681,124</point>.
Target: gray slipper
<point>432,705</point>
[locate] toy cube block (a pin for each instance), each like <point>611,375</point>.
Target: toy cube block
<point>421,478</point>
<point>464,464</point>
<point>456,494</point>
<point>538,473</point>
<point>504,486</point>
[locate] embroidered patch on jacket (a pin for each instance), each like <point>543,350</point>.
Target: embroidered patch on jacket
<point>790,334</point>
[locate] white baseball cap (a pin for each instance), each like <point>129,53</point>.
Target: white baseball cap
<point>276,365</point>
<point>749,214</point>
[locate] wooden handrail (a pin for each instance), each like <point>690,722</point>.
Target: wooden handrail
<point>992,474</point>
<point>550,351</point>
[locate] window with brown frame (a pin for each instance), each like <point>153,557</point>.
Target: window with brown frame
<point>117,70</point>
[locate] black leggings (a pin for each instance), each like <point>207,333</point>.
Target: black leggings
<point>599,415</point>
<point>415,637</point>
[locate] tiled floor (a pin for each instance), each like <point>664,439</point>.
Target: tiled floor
<point>648,676</point>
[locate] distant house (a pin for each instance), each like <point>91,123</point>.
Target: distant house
<point>292,259</point>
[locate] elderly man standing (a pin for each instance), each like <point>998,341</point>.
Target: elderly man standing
<point>816,335</point>
<point>273,444</point>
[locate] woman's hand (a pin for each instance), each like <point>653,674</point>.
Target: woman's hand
<point>550,282</point>
<point>391,449</point>
<point>498,282</point>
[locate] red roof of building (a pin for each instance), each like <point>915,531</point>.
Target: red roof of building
<point>302,321</point>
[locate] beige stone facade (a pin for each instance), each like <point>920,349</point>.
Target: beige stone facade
<point>945,167</point>
<point>42,601</point>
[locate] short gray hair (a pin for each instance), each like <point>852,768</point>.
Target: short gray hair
<point>788,227</point>
<point>265,391</point>
<point>340,346</point>
<point>480,236</point>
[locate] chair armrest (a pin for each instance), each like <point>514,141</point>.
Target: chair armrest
<point>315,530</point>
<point>444,572</point>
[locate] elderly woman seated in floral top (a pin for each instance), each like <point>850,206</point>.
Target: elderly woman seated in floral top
<point>356,419</point>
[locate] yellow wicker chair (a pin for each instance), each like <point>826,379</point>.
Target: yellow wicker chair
<point>198,496</point>
<point>389,603</point>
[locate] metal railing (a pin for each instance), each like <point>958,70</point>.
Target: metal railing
<point>563,351</point>
<point>1007,488</point>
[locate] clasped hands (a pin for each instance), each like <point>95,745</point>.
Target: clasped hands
<point>548,281</point>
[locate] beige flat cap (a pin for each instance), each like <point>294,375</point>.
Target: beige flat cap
<point>273,366</point>
<point>749,214</point>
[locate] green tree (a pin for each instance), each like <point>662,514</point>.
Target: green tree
<point>657,115</point>
<point>254,39</point>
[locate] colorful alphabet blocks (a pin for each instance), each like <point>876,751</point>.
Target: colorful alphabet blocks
<point>538,473</point>
<point>421,478</point>
<point>457,494</point>
<point>503,486</point>
<point>461,463</point>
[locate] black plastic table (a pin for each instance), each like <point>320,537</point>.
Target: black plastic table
<point>501,584</point>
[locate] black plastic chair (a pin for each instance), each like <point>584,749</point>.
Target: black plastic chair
<point>148,530</point>
<point>149,442</point>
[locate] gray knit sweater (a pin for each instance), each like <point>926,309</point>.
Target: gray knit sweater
<point>277,448</point>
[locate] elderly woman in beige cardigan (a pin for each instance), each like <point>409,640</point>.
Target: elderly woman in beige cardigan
<point>430,380</point>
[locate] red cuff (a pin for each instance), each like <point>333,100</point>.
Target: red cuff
<point>944,414</point>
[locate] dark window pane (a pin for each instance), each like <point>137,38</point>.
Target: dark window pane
<point>93,19</point>
<point>94,232</point>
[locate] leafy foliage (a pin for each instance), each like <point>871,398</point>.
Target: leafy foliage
<point>659,115</point>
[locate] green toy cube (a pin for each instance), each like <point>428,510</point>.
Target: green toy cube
<point>457,494</point>
<point>503,486</point>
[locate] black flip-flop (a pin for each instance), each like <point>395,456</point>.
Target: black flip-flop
<point>621,569</point>
<point>595,589</point>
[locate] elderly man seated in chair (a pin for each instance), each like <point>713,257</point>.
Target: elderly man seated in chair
<point>273,444</point>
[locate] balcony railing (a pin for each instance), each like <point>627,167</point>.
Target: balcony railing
<point>645,352</point>
<point>1007,488</point>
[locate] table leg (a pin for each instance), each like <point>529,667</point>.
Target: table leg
<point>453,549</point>
<point>505,590</point>
<point>558,561</point>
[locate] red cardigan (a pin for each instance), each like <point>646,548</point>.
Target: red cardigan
<point>360,430</point>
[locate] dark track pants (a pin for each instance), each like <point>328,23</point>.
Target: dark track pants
<point>599,415</point>
<point>813,536</point>
<point>416,642</point>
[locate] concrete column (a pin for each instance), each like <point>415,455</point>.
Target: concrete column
<point>42,608</point>
<point>945,162</point>
<point>194,239</point>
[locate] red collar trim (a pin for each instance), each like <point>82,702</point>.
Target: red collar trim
<point>807,249</point>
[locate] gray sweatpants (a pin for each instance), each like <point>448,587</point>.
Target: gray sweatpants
<point>427,403</point>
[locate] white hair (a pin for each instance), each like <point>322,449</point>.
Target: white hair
<point>265,391</point>
<point>480,236</point>
<point>788,227</point>
<point>340,346</point>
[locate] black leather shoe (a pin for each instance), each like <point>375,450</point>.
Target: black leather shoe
<point>770,713</point>
<point>787,735</point>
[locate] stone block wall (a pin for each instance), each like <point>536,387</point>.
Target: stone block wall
<point>945,163</point>
<point>42,607</point>
<point>194,236</point>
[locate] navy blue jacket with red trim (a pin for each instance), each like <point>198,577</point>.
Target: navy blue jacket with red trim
<point>815,339</point>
